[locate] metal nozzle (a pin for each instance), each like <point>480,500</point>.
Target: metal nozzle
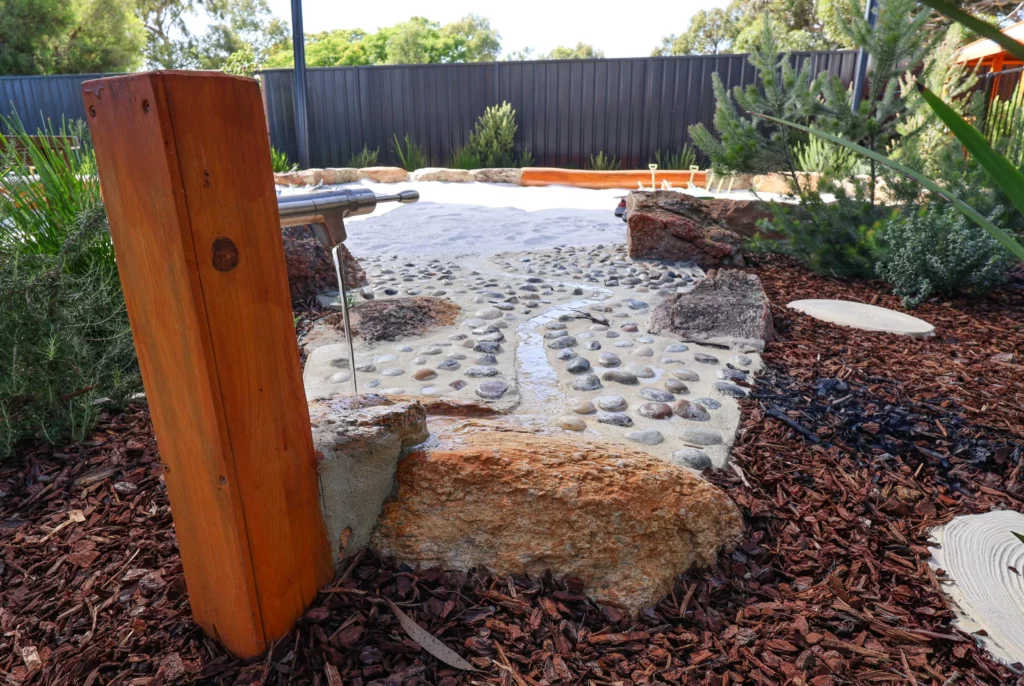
<point>327,211</point>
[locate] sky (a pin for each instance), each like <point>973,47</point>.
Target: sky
<point>620,31</point>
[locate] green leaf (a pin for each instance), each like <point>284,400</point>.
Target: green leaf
<point>1002,171</point>
<point>977,25</point>
<point>1005,239</point>
<point>1020,537</point>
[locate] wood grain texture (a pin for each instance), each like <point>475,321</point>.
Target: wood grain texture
<point>620,178</point>
<point>184,163</point>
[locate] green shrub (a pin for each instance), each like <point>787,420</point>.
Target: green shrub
<point>817,155</point>
<point>65,341</point>
<point>493,137</point>
<point>600,162</point>
<point>935,251</point>
<point>465,158</point>
<point>365,158</point>
<point>837,238</point>
<point>279,160</point>
<point>526,158</point>
<point>410,156</point>
<point>684,158</point>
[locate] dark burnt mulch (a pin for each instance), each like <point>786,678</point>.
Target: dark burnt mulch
<point>853,446</point>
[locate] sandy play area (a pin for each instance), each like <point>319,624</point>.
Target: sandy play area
<point>552,320</point>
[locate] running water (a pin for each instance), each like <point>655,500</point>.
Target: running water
<point>340,271</point>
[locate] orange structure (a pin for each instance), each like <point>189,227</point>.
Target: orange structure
<point>184,166</point>
<point>989,54</point>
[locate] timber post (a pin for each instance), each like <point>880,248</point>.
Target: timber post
<point>184,166</point>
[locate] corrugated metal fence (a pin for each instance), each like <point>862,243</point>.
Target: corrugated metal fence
<point>567,110</point>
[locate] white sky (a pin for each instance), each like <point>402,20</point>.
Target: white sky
<point>620,30</point>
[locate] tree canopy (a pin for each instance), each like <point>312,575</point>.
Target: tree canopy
<point>582,51</point>
<point>68,37</point>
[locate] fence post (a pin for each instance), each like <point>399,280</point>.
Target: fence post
<point>184,165</point>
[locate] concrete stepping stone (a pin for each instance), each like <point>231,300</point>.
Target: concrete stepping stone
<point>864,316</point>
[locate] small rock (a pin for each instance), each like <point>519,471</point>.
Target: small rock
<point>572,423</point>
<point>611,403</point>
<point>609,360</point>
<point>732,374</point>
<point>614,419</point>
<point>709,403</point>
<point>592,345</point>
<point>620,377</point>
<point>458,384</point>
<point>640,371</point>
<point>587,382</point>
<point>577,365</point>
<point>489,313</point>
<point>492,390</point>
<point>655,411</point>
<point>704,358</point>
<point>581,406</point>
<point>477,372</point>
<point>685,375</point>
<point>566,354</point>
<point>692,458</point>
<point>487,360</point>
<point>424,374</point>
<point>487,347</point>
<point>646,437</point>
<point>563,342</point>
<point>699,435</point>
<point>676,386</point>
<point>645,351</point>
<point>394,371</point>
<point>677,348</point>
<point>339,377</point>
<point>688,410</point>
<point>741,360</point>
<point>655,395</point>
<point>731,390</point>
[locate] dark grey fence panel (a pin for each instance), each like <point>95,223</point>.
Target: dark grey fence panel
<point>567,110</point>
<point>38,99</point>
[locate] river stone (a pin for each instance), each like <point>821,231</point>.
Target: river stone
<point>488,347</point>
<point>488,313</point>
<point>477,372</point>
<point>709,403</point>
<point>609,360</point>
<point>577,365</point>
<point>676,386</point>
<point>731,390</point>
<point>685,375</point>
<point>520,503</point>
<point>563,342</point>
<point>699,435</point>
<point>687,410</point>
<point>655,395</point>
<point>640,371</point>
<point>424,374</point>
<point>704,358</point>
<point>572,423</point>
<point>611,403</point>
<point>614,419</point>
<point>581,406</point>
<point>645,351</point>
<point>620,377</point>
<point>692,458</point>
<point>566,354</point>
<point>394,371</point>
<point>587,382</point>
<point>646,436</point>
<point>592,345</point>
<point>741,360</point>
<point>449,365</point>
<point>487,360</point>
<point>655,411</point>
<point>492,390</point>
<point>732,374</point>
<point>677,348</point>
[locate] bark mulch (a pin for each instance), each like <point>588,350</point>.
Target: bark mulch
<point>853,446</point>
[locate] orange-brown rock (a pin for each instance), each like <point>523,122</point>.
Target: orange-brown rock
<point>666,225</point>
<point>493,495</point>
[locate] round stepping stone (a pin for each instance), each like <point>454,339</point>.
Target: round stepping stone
<point>729,389</point>
<point>692,458</point>
<point>563,342</point>
<point>646,437</point>
<point>419,359</point>
<point>653,394</point>
<point>688,410</point>
<point>704,358</point>
<point>477,372</point>
<point>581,406</point>
<point>709,403</point>
<point>572,423</point>
<point>655,411</point>
<point>491,390</point>
<point>698,435</point>
<point>394,371</point>
<point>609,360</point>
<point>863,316</point>
<point>615,419</point>
<point>676,348</point>
<point>587,382</point>
<point>611,403</point>
<point>577,365</point>
<point>620,377</point>
<point>685,375</point>
<point>424,374</point>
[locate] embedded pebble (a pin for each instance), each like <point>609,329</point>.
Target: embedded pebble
<point>676,386</point>
<point>458,384</point>
<point>646,437</point>
<point>655,411</point>
<point>640,371</point>
<point>611,403</point>
<point>609,360</point>
<point>698,435</point>
<point>563,342</point>
<point>732,374</point>
<point>620,377</point>
<point>339,377</point>
<point>676,348</point>
<point>488,347</point>
<point>692,458</point>
<point>488,313</point>
<point>592,345</point>
<point>614,419</point>
<point>741,360</point>
<point>645,351</point>
<point>685,375</point>
<point>654,394</point>
<point>577,365</point>
<point>709,403</point>
<point>491,390</point>
<point>566,354</point>
<point>368,368</point>
<point>704,358</point>
<point>731,390</point>
<point>481,371</point>
<point>381,359</point>
<point>393,371</point>
<point>572,423</point>
<point>587,382</point>
<point>432,350</point>
<point>424,374</point>
<point>487,360</point>
<point>687,410</point>
<point>449,365</point>
<point>581,406</point>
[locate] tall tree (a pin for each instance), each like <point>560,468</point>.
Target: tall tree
<point>62,37</point>
<point>582,51</point>
<point>710,32</point>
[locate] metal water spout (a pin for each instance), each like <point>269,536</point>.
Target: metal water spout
<point>326,213</point>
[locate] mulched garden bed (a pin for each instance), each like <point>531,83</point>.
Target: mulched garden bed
<point>853,446</point>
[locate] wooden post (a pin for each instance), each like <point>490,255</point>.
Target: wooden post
<point>184,165</point>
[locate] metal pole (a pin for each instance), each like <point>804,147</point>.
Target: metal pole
<point>301,121</point>
<point>861,69</point>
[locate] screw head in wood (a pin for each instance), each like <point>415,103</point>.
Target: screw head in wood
<point>225,254</point>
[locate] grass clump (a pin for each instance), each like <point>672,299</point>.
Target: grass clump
<point>683,158</point>
<point>465,158</point>
<point>410,155</point>
<point>365,157</point>
<point>601,162</point>
<point>280,162</point>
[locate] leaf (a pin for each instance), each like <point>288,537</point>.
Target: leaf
<point>428,642</point>
<point>1005,239</point>
<point>1007,176</point>
<point>1020,537</point>
<point>976,25</point>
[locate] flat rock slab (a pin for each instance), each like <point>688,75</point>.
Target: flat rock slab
<point>981,557</point>
<point>863,316</point>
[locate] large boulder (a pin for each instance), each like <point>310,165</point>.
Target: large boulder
<point>667,225</point>
<point>441,174</point>
<point>739,216</point>
<point>512,175</point>
<point>384,174</point>
<point>310,267</point>
<point>358,449</point>
<point>499,496</point>
<point>727,307</point>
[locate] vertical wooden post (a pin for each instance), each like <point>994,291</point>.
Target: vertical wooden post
<point>184,165</point>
